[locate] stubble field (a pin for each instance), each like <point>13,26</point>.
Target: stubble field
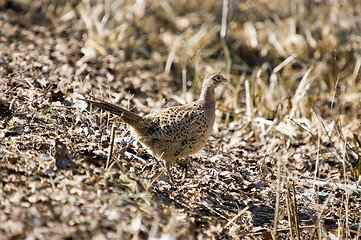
<point>283,161</point>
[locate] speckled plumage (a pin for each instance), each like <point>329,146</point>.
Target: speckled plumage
<point>173,132</point>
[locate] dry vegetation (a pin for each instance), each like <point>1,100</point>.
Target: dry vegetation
<point>283,162</point>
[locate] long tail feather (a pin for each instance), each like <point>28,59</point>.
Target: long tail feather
<point>127,116</point>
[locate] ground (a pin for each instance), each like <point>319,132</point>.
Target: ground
<point>283,160</point>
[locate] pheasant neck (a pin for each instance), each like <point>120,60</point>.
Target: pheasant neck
<point>207,98</point>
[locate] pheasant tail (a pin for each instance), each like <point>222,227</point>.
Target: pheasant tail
<point>128,117</point>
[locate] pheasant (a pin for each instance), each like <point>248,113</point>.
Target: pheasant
<point>173,132</point>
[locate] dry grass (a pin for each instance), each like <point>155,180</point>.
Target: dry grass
<point>284,159</point>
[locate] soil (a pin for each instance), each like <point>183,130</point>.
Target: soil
<point>283,161</point>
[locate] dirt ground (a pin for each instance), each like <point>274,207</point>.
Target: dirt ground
<point>283,161</point>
